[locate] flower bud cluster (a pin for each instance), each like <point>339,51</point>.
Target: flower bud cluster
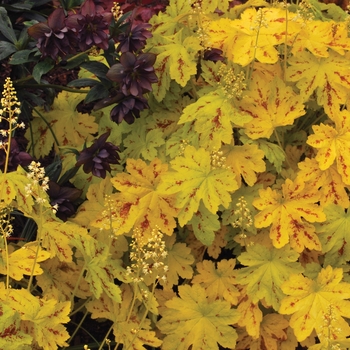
<point>147,257</point>
<point>5,222</point>
<point>110,222</point>
<point>117,12</point>
<point>244,220</point>
<point>233,85</point>
<point>38,183</point>
<point>218,161</point>
<point>10,109</point>
<point>260,21</point>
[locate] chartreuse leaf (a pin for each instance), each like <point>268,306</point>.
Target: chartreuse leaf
<point>193,320</point>
<point>334,235</point>
<point>124,326</point>
<point>245,161</point>
<point>287,211</point>
<point>20,262</point>
<point>142,142</point>
<point>214,117</point>
<point>270,104</point>
<point>329,77</point>
<point>69,126</point>
<point>273,333</point>
<point>333,144</point>
<point>101,270</point>
<point>12,186</point>
<point>204,224</point>
<point>218,281</point>
<point>193,180</point>
<point>318,304</point>
<point>179,260</point>
<point>40,318</point>
<point>150,206</point>
<point>266,270</point>
<point>11,336</point>
<point>56,280</point>
<point>329,182</point>
<point>211,5</point>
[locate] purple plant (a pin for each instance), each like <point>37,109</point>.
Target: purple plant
<point>17,156</point>
<point>90,25</point>
<point>53,37</point>
<point>135,74</point>
<point>98,157</point>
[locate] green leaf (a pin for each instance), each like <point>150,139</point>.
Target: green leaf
<point>97,92</point>
<point>267,269</point>
<point>97,68</point>
<point>22,56</point>
<point>83,82</point>
<point>6,49</point>
<point>213,117</point>
<point>204,225</point>
<point>192,321</point>
<point>194,179</point>
<point>42,68</point>
<point>6,26</point>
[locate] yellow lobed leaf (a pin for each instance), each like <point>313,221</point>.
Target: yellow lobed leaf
<point>192,320</point>
<point>218,243</point>
<point>333,144</point>
<point>288,212</point>
<point>20,261</point>
<point>149,206</point>
<point>329,182</point>
<point>271,105</point>
<point>218,281</point>
<point>42,319</point>
<point>245,161</point>
<point>179,260</point>
<point>312,302</point>
<point>267,269</point>
<point>329,77</point>
<point>11,336</point>
<point>193,180</point>
<point>68,125</point>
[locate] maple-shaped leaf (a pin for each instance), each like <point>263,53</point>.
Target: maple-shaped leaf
<point>287,211</point>
<point>11,336</point>
<point>273,332</point>
<point>218,243</point>
<point>329,77</point>
<point>204,224</point>
<point>192,320</point>
<point>255,35</point>
<point>245,161</point>
<point>40,318</point>
<point>150,207</point>
<point>270,105</point>
<point>332,144</point>
<point>218,281</point>
<point>251,316</point>
<point>334,235</point>
<point>309,301</point>
<point>62,124</point>
<point>214,117</point>
<point>314,36</point>
<point>13,188</point>
<point>329,182</point>
<point>100,268</point>
<point>58,280</point>
<point>193,179</point>
<point>124,326</point>
<point>179,260</point>
<point>266,270</point>
<point>20,262</point>
<point>211,5</point>
<point>94,204</point>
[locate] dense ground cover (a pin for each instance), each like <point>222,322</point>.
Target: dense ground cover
<point>174,175</point>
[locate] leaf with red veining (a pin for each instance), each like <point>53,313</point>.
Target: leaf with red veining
<point>333,144</point>
<point>329,182</point>
<point>290,211</point>
<point>329,77</point>
<point>270,104</point>
<point>11,336</point>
